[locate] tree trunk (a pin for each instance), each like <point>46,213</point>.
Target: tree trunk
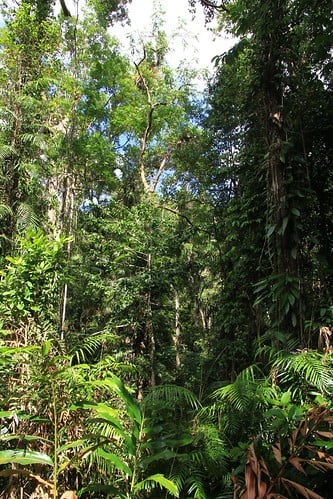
<point>67,227</point>
<point>176,335</point>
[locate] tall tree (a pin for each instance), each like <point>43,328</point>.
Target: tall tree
<point>29,44</point>
<point>276,149</point>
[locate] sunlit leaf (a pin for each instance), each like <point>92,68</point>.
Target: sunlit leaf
<point>24,457</point>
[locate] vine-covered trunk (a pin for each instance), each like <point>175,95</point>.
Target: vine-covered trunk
<point>272,56</point>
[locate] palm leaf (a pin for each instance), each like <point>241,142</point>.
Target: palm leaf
<point>160,480</point>
<point>7,151</point>
<point>5,210</point>
<point>115,461</point>
<point>24,457</point>
<point>171,395</point>
<point>132,406</point>
<point>91,345</point>
<point>26,217</point>
<point>310,366</point>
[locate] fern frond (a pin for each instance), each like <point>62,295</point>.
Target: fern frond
<point>246,391</point>
<point>103,429</point>
<point>208,414</point>
<point>231,424</point>
<point>215,448</point>
<point>190,478</point>
<point>109,365</point>
<point>179,476</point>
<point>226,495</point>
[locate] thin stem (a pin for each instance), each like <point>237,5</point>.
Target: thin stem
<point>135,465</point>
<point>55,444</point>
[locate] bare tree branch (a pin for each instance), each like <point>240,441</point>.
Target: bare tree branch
<point>160,170</point>
<point>149,188</point>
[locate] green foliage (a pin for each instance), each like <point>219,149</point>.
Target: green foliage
<point>281,291</point>
<point>278,460</point>
<point>24,457</point>
<point>130,438</point>
<point>175,240</point>
<point>31,281</point>
<point>305,368</point>
<point>109,11</point>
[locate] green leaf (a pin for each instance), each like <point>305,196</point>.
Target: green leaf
<point>46,348</point>
<point>6,332</point>
<point>71,445</point>
<point>7,414</point>
<point>286,397</point>
<point>293,319</point>
<point>261,287</point>
<point>295,212</point>
<point>115,460</point>
<point>24,457</point>
<point>270,230</point>
<point>276,413</point>
<point>291,299</point>
<point>284,225</point>
<point>103,411</point>
<point>161,481</point>
<point>110,416</point>
<point>327,444</point>
<point>132,406</point>
<point>28,438</point>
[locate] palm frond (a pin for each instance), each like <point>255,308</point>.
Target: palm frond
<point>171,395</point>
<point>6,151</point>
<point>190,479</point>
<point>109,365</point>
<point>91,346</point>
<point>310,367</point>
<point>268,345</point>
<point>157,480</point>
<point>238,394</point>
<point>26,218</point>
<point>5,210</point>
<point>196,485</point>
